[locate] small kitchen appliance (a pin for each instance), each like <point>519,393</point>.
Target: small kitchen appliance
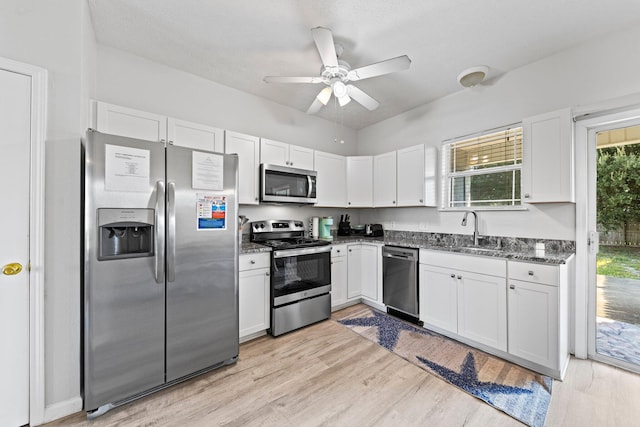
<point>344,227</point>
<point>325,227</point>
<point>300,274</point>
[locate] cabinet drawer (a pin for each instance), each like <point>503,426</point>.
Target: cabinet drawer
<point>338,251</point>
<point>532,272</point>
<point>253,261</point>
<point>457,262</point>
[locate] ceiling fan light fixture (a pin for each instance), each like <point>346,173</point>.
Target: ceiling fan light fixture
<point>324,95</point>
<point>344,100</point>
<point>339,89</point>
<point>473,76</point>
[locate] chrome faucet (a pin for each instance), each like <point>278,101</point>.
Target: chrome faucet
<point>475,225</point>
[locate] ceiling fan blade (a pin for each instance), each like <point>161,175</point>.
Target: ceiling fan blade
<point>315,106</point>
<point>380,68</point>
<point>362,98</point>
<point>326,47</point>
<point>283,79</point>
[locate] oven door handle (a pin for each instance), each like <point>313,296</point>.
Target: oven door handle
<point>301,251</point>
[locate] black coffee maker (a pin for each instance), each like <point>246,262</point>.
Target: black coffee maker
<point>344,227</point>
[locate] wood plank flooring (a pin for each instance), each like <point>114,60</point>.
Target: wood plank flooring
<point>326,375</point>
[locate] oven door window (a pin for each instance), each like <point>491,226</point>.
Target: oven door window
<point>298,273</point>
<point>286,184</point>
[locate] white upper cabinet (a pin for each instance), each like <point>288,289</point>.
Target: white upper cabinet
<point>123,121</point>
<point>194,135</point>
<point>417,176</point>
<point>548,158</point>
<point>279,153</point>
<point>248,149</point>
<point>384,180</point>
<point>331,179</point>
<point>359,181</point>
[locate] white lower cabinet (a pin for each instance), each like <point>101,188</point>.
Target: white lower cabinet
<point>457,296</point>
<point>482,309</point>
<point>438,297</point>
<point>339,275</point>
<point>253,294</point>
<point>516,309</point>
<point>364,272</point>
<point>538,322</point>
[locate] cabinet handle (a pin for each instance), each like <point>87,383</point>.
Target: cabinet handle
<point>530,272</point>
<point>453,276</point>
<point>526,195</point>
<point>266,274</point>
<point>512,286</point>
<point>459,277</point>
<point>348,203</point>
<point>394,202</point>
<point>420,200</point>
<point>252,262</point>
<point>349,250</point>
<point>338,251</point>
<point>256,199</point>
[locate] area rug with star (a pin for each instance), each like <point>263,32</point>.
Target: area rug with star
<point>517,391</point>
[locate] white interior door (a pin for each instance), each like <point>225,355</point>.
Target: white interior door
<point>15,116</point>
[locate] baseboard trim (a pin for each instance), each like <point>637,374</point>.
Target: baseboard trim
<point>62,409</point>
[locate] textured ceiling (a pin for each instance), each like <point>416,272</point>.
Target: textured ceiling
<point>237,43</point>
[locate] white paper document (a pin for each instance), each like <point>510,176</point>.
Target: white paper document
<point>207,171</point>
<point>126,169</point>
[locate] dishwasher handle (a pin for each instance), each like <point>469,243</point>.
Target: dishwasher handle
<point>406,254</point>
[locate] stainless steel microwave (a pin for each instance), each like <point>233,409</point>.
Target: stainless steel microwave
<point>281,184</point>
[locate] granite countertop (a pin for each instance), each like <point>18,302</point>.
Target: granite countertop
<point>511,249</point>
<point>253,248</point>
<point>553,257</point>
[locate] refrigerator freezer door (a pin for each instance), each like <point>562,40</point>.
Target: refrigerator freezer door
<point>123,314</point>
<point>202,253</point>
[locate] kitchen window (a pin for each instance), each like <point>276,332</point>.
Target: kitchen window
<point>483,171</point>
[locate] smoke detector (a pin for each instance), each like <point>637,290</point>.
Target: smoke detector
<point>472,76</point>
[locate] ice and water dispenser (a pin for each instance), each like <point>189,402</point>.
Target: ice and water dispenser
<point>125,233</point>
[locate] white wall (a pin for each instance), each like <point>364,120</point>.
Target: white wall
<point>587,74</point>
<point>50,35</point>
<point>131,81</point>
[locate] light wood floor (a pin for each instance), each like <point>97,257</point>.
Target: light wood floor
<point>326,375</point>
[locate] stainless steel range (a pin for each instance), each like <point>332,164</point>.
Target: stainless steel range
<point>300,274</point>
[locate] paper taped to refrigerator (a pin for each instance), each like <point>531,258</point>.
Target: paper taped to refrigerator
<point>207,171</point>
<point>126,168</point>
<point>211,211</point>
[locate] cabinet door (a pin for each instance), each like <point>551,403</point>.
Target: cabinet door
<point>533,322</point>
<point>123,121</point>
<point>339,280</point>
<point>547,158</point>
<point>369,272</point>
<point>253,301</point>
<point>482,309</point>
<point>274,152</point>
<point>438,297</point>
<point>411,176</point>
<point>384,180</point>
<point>301,157</point>
<point>354,283</point>
<point>360,181</point>
<point>247,148</point>
<point>194,135</point>
<point>331,179</point>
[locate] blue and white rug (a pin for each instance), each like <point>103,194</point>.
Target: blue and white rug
<point>516,391</point>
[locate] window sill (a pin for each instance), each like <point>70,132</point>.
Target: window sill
<point>485,208</point>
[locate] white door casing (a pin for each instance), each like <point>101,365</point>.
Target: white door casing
<point>23,126</point>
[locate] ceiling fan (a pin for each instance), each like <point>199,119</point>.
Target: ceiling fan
<point>336,74</point>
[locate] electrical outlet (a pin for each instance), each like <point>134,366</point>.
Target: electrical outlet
<point>423,226</point>
<point>393,224</point>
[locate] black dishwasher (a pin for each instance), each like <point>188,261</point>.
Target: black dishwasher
<point>400,282</point>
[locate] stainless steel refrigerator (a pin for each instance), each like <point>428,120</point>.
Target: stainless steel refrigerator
<point>160,279</point>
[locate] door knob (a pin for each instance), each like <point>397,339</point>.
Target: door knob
<point>12,269</point>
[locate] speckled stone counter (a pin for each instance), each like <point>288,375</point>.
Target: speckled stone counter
<point>517,249</point>
<point>253,248</point>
